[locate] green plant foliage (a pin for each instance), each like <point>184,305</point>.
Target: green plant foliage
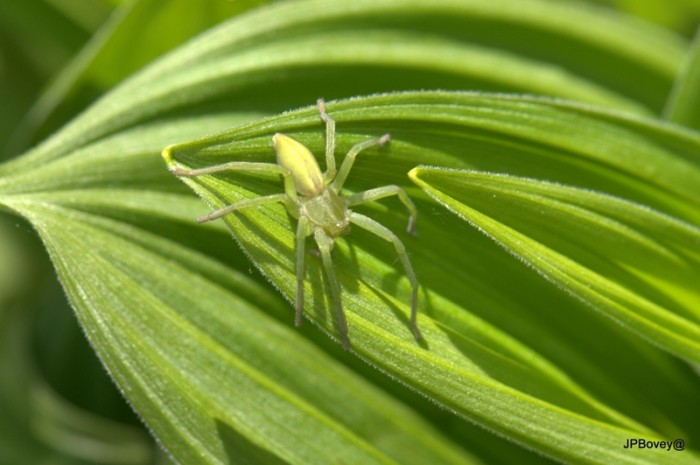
<point>684,105</point>
<point>37,38</point>
<point>566,329</point>
<point>680,15</point>
<point>646,279</point>
<point>268,237</point>
<point>114,52</point>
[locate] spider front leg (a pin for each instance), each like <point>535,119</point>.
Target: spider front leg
<point>325,244</point>
<point>289,198</point>
<point>345,168</point>
<point>330,140</point>
<point>241,204</point>
<point>386,191</point>
<point>375,228</point>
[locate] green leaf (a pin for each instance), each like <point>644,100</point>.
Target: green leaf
<point>681,15</point>
<point>190,340</point>
<point>636,265</point>
<point>38,424</point>
<point>683,106</point>
<point>460,348</point>
<point>44,33</point>
<point>36,39</point>
<point>202,361</point>
<point>288,53</point>
<point>115,52</point>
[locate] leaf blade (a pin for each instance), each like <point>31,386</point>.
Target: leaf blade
<point>374,329</point>
<point>676,331</point>
<point>184,411</point>
<point>683,103</point>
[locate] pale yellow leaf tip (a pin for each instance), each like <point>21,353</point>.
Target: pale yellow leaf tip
<point>167,154</point>
<point>413,174</point>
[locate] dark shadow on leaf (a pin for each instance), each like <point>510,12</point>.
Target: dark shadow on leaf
<point>314,274</point>
<point>400,315</point>
<point>241,451</point>
<point>517,374</point>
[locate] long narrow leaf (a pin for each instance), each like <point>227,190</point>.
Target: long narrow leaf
<point>637,266</point>
<point>210,369</point>
<point>227,64</point>
<point>451,359</point>
<point>683,106</point>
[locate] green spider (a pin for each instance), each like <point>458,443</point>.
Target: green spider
<point>314,199</point>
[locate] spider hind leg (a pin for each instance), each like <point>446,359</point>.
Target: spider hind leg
<point>379,230</point>
<point>325,244</point>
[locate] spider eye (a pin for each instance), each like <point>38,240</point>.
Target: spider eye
<point>299,160</point>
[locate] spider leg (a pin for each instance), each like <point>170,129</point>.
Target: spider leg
<point>241,204</point>
<point>303,231</point>
<point>386,191</point>
<point>231,166</point>
<point>290,191</point>
<point>375,228</point>
<point>325,244</point>
<point>330,140</point>
<point>350,159</point>
<point>289,188</point>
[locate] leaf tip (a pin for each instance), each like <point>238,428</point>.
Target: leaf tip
<point>167,155</point>
<point>413,174</point>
